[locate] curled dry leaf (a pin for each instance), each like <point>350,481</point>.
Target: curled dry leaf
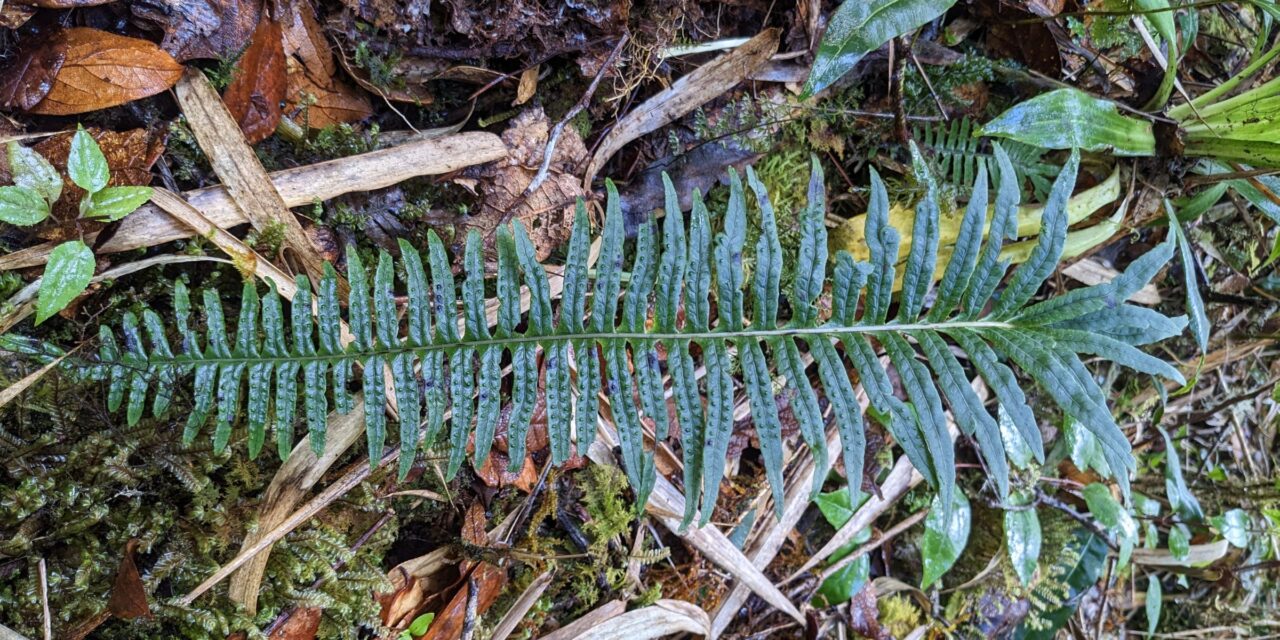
<point>303,624</point>
<point>314,95</point>
<point>547,212</point>
<point>196,29</point>
<point>129,594</point>
<point>98,70</point>
<point>487,582</point>
<point>258,88</point>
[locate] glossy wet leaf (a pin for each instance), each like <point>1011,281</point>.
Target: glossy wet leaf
<point>1180,497</point>
<point>67,274</point>
<point>858,27</point>
<point>114,203</point>
<point>944,537</point>
<point>1234,527</point>
<point>86,165</point>
<point>1155,598</point>
<point>1072,119</point>
<point>1113,517</point>
<point>842,585</point>
<point>1022,539</point>
<point>21,206</point>
<point>33,171</point>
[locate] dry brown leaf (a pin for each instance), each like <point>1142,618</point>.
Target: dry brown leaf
<point>195,29</point>
<point>487,580</point>
<point>546,213</point>
<point>255,95</point>
<point>128,594</point>
<point>658,620</point>
<point>864,615</point>
<point>528,85</point>
<point>303,624</point>
<point>314,95</point>
<point>101,70</point>
<point>399,606</point>
<point>13,15</point>
<point>703,84</point>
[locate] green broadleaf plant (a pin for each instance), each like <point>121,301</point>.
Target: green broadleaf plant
<point>29,201</point>
<point>946,532</point>
<point>666,309</point>
<point>858,27</point>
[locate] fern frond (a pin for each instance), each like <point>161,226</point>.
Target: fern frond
<point>634,340</point>
<point>958,154</point>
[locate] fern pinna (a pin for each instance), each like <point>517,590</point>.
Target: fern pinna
<point>665,327</point>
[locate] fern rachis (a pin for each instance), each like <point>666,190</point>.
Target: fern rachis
<point>437,368</point>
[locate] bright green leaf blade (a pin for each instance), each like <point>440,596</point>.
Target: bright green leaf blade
<point>66,276</point>
<point>946,532</point>
<point>86,166</point>
<point>114,203</point>
<point>1022,538</point>
<point>1072,119</point>
<point>22,207</point>
<point>32,171</point>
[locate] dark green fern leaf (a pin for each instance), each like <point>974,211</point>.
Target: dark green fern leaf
<point>636,343</point>
<point>959,154</point>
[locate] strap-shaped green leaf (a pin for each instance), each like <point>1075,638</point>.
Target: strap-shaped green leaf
<point>882,244</point>
<point>1004,226</point>
<point>923,256</point>
<point>1028,277</point>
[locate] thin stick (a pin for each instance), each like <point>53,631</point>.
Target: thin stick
<point>892,533</point>
<point>544,170</point>
<point>44,599</point>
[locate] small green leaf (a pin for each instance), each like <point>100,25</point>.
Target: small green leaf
<point>841,586</point>
<point>1198,319</point>
<point>32,171</point>
<point>1113,517</point>
<point>1180,542</point>
<point>1022,538</point>
<point>1180,497</point>
<point>1155,596</point>
<point>70,268</point>
<point>114,203</point>
<point>944,538</point>
<point>1086,451</point>
<point>1234,527</point>
<point>1072,119</point>
<point>422,624</point>
<point>86,165</point>
<point>22,206</point>
<point>858,27</point>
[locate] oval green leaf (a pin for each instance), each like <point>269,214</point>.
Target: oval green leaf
<point>944,538</point>
<point>859,27</point>
<point>86,166</point>
<point>32,171</point>
<point>114,203</point>
<point>1073,119</point>
<point>21,206</point>
<point>1022,538</point>
<point>69,270</point>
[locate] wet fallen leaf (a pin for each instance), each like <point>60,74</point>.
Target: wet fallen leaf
<point>129,594</point>
<point>864,616</point>
<point>487,582</point>
<point>30,77</point>
<point>303,624</point>
<point>474,526</point>
<point>547,212</point>
<point>314,95</point>
<point>496,473</point>
<point>100,70</point>
<point>13,16</point>
<point>255,94</point>
<point>400,605</point>
<point>195,29</point>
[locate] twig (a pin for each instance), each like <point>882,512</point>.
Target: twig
<point>473,598</point>
<point>544,170</point>
<point>868,547</point>
<point>44,599</point>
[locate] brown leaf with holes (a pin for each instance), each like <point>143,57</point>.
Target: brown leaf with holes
<point>303,624</point>
<point>128,594</point>
<point>483,585</point>
<point>547,213</point>
<point>258,89</point>
<point>201,29</point>
<point>130,155</point>
<point>101,70</point>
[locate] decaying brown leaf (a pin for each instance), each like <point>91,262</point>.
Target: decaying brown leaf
<point>28,79</point>
<point>864,616</point>
<point>474,530</point>
<point>98,70</point>
<point>314,95</point>
<point>487,581</point>
<point>195,29</point>
<point>129,594</point>
<point>303,624</point>
<point>547,213</point>
<point>13,15</point>
<point>258,89</point>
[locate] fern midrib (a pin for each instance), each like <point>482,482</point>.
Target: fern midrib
<point>550,339</point>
